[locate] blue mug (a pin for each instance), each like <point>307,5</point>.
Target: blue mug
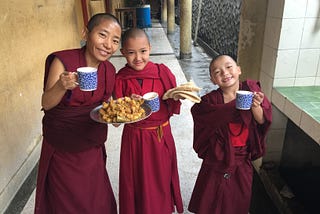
<point>87,78</point>
<point>152,100</point>
<point>244,100</point>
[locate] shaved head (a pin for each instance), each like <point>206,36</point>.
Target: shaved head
<point>133,33</point>
<point>96,19</point>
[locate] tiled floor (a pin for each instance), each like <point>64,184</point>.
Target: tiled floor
<point>306,98</point>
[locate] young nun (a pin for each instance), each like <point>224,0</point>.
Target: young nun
<point>72,176</point>
<point>227,139</point>
<point>149,181</point>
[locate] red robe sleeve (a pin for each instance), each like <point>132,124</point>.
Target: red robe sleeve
<point>211,117</point>
<point>169,81</point>
<point>258,136</point>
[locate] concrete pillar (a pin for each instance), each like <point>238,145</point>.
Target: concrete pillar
<point>164,12</point>
<point>171,14</point>
<point>251,37</point>
<point>185,28</point>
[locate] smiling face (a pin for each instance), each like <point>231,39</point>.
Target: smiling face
<point>224,72</point>
<point>136,49</point>
<point>102,41</point>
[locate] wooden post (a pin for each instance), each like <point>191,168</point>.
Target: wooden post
<point>164,12</point>
<point>171,17</point>
<point>185,28</point>
<point>84,12</point>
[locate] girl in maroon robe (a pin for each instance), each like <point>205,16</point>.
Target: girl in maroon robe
<point>72,176</point>
<point>149,181</point>
<point>227,140</point>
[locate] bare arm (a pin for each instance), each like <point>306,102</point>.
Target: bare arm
<point>256,108</point>
<point>58,82</point>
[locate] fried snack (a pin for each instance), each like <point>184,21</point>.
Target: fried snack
<point>185,94</point>
<point>189,86</point>
<point>186,90</point>
<point>122,110</point>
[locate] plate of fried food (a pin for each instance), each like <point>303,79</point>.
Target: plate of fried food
<point>122,110</point>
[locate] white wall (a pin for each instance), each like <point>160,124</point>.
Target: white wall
<point>291,53</point>
<point>291,57</point>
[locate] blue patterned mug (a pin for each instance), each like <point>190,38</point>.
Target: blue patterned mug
<point>152,100</point>
<point>244,100</point>
<point>87,78</point>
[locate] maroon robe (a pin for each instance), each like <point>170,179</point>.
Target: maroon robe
<point>149,181</point>
<point>224,181</point>
<point>72,176</point>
